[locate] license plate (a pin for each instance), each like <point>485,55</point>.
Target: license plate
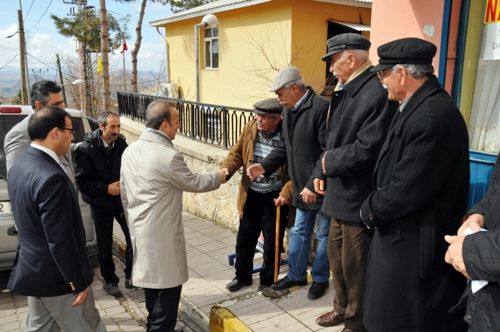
<point>5,207</point>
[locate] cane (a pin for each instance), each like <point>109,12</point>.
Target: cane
<point>277,244</point>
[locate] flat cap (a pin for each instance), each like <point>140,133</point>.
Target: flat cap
<point>268,106</point>
<point>345,41</point>
<point>285,76</point>
<point>406,51</point>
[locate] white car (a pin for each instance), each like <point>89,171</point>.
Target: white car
<point>10,115</point>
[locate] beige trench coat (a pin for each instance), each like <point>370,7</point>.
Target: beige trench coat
<point>152,178</point>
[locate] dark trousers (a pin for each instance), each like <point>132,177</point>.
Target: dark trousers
<point>259,215</point>
<point>162,305</point>
<point>103,222</point>
<point>348,245</point>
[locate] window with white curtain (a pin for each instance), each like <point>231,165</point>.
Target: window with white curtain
<point>484,126</point>
<point>211,48</point>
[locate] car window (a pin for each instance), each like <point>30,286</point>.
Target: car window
<point>78,129</point>
<point>6,124</point>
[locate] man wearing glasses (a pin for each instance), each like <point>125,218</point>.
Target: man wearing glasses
<point>17,140</point>
<point>356,128</point>
<point>422,183</point>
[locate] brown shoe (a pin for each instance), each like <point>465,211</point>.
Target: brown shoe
<point>330,318</point>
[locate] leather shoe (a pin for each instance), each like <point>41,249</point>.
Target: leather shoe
<point>286,283</point>
<point>317,290</point>
<point>113,290</point>
<point>236,285</point>
<point>330,318</point>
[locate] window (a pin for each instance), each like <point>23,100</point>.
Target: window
<point>212,48</point>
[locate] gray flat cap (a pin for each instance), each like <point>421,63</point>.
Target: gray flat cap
<point>268,106</point>
<point>344,41</point>
<point>285,76</point>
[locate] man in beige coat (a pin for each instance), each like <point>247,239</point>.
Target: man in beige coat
<point>153,177</point>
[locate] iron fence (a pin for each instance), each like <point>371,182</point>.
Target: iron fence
<point>212,124</point>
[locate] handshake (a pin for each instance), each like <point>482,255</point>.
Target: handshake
<point>223,175</point>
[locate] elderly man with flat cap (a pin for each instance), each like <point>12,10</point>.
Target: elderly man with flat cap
<point>422,184</point>
<point>357,125</point>
<point>304,140</point>
<point>257,199</point>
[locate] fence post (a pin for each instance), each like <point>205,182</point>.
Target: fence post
<point>224,128</point>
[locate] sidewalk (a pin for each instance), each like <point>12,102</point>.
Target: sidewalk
<point>206,301</point>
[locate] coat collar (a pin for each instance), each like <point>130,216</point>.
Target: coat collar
<point>354,86</point>
<point>153,135</point>
<point>430,87</point>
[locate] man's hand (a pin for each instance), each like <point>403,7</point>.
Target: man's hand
<point>323,163</point>
<point>114,188</point>
<point>280,201</point>
<point>454,255</point>
<point>80,298</point>
<point>474,221</point>
<point>254,171</point>
<point>319,186</point>
<point>223,175</point>
<point>308,196</point>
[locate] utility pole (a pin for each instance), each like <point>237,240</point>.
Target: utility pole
<point>22,56</point>
<point>61,77</point>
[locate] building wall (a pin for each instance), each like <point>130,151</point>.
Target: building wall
<point>309,35</point>
<point>254,42</point>
<point>394,19</point>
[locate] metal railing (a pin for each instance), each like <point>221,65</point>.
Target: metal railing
<point>212,124</point>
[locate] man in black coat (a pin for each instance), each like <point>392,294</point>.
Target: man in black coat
<point>51,266</point>
<point>422,184</point>
<point>97,169</point>
<point>356,128</point>
<point>303,143</point>
<point>477,255</point>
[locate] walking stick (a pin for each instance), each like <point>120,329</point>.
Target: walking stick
<point>277,244</point>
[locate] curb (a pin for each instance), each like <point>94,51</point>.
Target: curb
<point>223,320</point>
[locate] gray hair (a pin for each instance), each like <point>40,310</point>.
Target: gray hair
<point>300,83</point>
<point>103,117</point>
<point>159,111</point>
<point>419,72</point>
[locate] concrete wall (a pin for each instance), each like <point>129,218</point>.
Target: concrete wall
<point>219,205</point>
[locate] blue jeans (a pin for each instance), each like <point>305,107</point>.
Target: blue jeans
<point>299,245</point>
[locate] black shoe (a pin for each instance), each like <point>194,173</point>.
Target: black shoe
<point>286,283</point>
<point>317,290</point>
<point>128,284</point>
<point>236,285</point>
<point>113,290</point>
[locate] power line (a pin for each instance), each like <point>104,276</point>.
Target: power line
<point>29,9</point>
<point>50,3</point>
<point>43,63</point>
<point>5,65</point>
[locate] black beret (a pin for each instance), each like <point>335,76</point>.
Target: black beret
<point>346,41</point>
<point>268,106</point>
<point>406,51</point>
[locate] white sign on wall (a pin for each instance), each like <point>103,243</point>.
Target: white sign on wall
<point>491,50</point>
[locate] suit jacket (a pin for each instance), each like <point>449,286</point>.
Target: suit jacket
<point>17,140</point>
<point>51,256</point>
<point>303,144</point>
<point>422,181</point>
<point>153,177</point>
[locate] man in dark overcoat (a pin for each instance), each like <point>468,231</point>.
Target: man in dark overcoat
<point>356,128</point>
<point>422,184</point>
<point>476,256</point>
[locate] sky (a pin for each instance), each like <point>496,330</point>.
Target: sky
<point>43,40</point>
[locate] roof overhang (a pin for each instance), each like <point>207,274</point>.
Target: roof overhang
<point>352,3</point>
<point>209,8</point>
<point>354,26</point>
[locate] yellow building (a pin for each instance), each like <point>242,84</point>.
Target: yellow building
<point>253,40</point>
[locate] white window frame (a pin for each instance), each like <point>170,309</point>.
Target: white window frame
<point>211,48</point>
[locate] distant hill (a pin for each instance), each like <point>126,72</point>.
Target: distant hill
<point>10,82</point>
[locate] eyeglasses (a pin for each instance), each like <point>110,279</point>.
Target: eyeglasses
<point>69,129</point>
<point>382,73</point>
